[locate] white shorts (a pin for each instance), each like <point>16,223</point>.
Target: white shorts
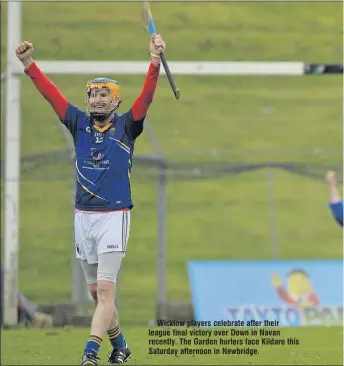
<point>100,232</point>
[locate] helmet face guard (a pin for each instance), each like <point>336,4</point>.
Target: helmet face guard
<point>100,106</point>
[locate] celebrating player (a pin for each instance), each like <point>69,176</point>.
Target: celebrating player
<point>104,144</point>
<point>336,203</point>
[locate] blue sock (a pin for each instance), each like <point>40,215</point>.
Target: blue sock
<point>116,338</point>
<point>93,345</point>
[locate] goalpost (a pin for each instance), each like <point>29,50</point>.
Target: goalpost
<point>12,142</point>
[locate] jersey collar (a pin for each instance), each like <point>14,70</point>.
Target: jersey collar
<point>106,127</point>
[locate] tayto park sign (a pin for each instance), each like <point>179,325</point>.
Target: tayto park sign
<point>292,293</point>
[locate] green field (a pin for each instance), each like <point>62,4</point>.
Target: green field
<point>62,347</point>
<point>218,119</point>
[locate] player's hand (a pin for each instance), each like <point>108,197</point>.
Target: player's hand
<point>24,52</point>
<point>157,44</point>
<point>331,178</point>
<point>276,280</point>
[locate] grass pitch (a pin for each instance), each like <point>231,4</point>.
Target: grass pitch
<point>230,119</point>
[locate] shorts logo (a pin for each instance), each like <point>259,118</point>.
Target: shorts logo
<point>77,248</point>
<point>112,246</point>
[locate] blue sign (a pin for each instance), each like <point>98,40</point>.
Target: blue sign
<point>294,293</point>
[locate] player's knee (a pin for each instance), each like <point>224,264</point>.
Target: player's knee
<point>93,290</point>
<point>105,291</point>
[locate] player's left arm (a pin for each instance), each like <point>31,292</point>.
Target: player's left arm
<point>336,203</point>
<point>337,211</point>
<point>139,109</point>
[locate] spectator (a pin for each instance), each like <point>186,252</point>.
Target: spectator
<point>28,316</point>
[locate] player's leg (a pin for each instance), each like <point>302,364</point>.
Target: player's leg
<point>104,311</point>
<point>113,234</point>
<point>114,333</point>
<point>102,292</point>
<point>86,251</point>
<point>93,344</point>
<point>108,266</point>
<point>111,238</point>
<point>105,317</point>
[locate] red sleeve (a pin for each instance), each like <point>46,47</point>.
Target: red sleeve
<point>48,89</point>
<point>142,103</point>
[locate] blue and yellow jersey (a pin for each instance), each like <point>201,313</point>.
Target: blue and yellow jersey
<point>103,155</point>
<point>103,159</point>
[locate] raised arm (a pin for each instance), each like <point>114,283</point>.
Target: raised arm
<point>142,103</point>
<point>47,88</point>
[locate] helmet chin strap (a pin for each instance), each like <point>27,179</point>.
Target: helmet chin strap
<point>102,116</point>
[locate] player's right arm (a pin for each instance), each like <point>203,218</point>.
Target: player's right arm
<point>67,113</point>
<point>48,89</point>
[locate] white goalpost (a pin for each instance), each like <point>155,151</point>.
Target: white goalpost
<point>12,142</point>
<point>12,168</point>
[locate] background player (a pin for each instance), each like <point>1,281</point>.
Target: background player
<point>104,145</point>
<point>336,203</point>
